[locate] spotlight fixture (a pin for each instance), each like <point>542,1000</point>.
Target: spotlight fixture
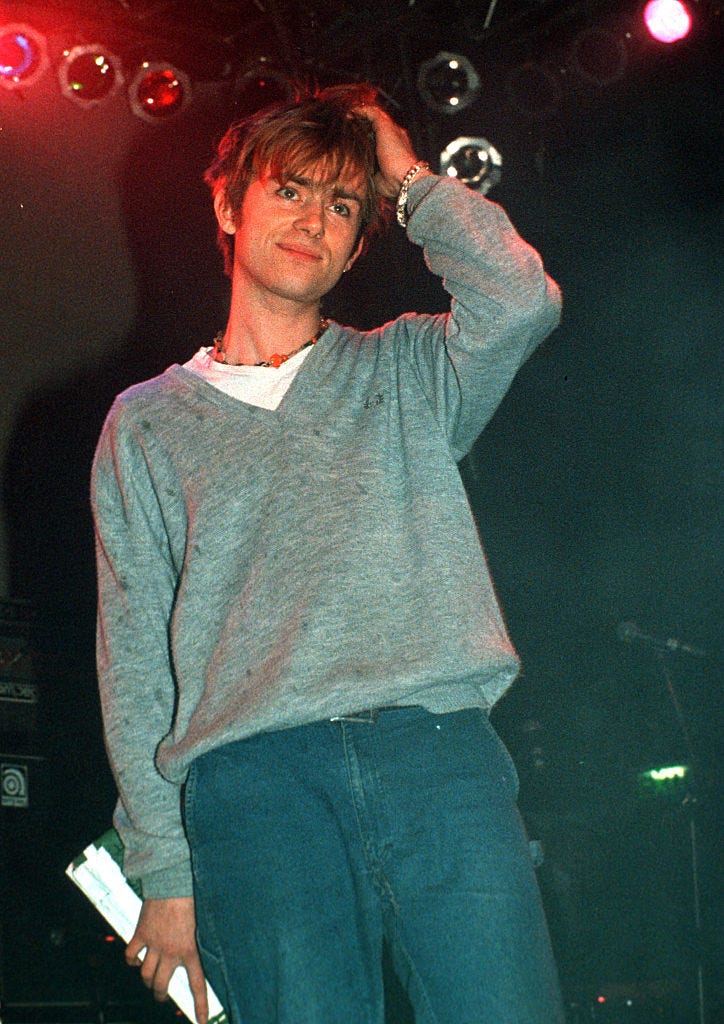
<point>668,21</point>
<point>158,91</point>
<point>23,55</point>
<point>447,82</point>
<point>89,74</point>
<point>473,161</point>
<point>259,83</point>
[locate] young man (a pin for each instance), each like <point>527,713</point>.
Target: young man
<point>298,639</point>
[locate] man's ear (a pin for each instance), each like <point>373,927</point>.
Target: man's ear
<point>355,253</point>
<point>224,214</point>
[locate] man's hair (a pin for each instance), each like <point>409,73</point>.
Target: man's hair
<point>284,140</point>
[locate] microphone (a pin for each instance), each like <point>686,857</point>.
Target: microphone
<point>629,632</point>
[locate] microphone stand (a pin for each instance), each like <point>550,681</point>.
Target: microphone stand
<point>690,804</point>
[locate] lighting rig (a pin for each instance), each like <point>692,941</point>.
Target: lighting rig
<point>90,69</point>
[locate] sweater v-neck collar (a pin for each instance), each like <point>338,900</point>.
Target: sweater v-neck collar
<point>303,381</point>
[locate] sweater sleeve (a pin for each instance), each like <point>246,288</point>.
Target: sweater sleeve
<point>503,304</point>
<point>137,578</point>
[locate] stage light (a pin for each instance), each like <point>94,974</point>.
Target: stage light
<point>89,74</point>
<point>668,21</point>
<point>258,84</point>
<point>159,91</point>
<point>668,781</point>
<point>674,771</point>
<point>473,161</point>
<point>23,55</point>
<point>447,82</point>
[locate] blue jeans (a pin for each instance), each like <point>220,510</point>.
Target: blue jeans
<point>311,844</point>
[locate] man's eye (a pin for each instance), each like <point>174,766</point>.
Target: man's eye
<point>342,209</point>
<point>287,192</point>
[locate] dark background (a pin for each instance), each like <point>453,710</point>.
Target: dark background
<point>595,486</point>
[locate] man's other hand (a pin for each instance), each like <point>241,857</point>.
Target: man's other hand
<point>167,931</point>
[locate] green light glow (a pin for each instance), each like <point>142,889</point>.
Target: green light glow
<point>676,771</point>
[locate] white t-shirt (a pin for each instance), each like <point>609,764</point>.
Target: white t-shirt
<point>264,386</point>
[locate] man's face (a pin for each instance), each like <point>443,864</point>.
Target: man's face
<point>293,239</point>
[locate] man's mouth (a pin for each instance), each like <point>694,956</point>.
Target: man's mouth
<point>300,251</point>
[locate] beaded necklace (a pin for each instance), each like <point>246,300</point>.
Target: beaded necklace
<point>276,360</point>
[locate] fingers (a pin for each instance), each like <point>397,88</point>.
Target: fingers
<point>134,951</point>
<point>197,983</point>
<point>395,154</point>
<point>164,940</point>
<point>135,946</point>
<point>156,974</point>
<point>157,971</point>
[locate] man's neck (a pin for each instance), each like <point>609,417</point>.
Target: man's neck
<point>253,335</point>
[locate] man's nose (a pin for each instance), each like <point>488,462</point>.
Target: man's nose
<point>311,218</point>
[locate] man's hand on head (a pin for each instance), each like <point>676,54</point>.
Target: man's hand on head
<point>395,155</point>
<point>167,931</point>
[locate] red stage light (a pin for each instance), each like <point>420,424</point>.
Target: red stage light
<point>89,74</point>
<point>668,21</point>
<point>158,91</point>
<point>23,55</point>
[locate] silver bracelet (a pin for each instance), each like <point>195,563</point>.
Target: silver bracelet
<point>401,207</point>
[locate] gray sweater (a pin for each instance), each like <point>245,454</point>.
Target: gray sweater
<point>261,569</point>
